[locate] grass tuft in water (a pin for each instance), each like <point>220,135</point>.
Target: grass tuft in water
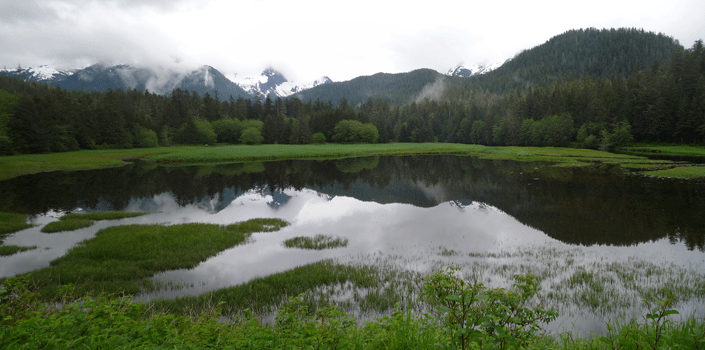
<point>12,222</point>
<point>120,259</point>
<point>67,225</point>
<point>319,281</point>
<point>103,215</point>
<point>7,250</point>
<point>318,242</point>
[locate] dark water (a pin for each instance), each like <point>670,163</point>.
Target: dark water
<point>572,205</point>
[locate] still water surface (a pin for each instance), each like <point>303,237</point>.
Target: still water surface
<point>492,218</point>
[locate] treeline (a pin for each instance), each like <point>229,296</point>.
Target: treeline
<point>662,103</point>
<point>35,118</point>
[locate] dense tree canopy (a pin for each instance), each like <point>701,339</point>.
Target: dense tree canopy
<point>662,102</point>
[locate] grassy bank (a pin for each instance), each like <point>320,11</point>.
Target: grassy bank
<point>333,151</point>
<point>12,222</point>
<point>668,150</point>
<point>13,166</point>
<point>120,259</point>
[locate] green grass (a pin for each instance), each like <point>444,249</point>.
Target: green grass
<point>120,259</point>
<point>13,166</point>
<point>334,151</point>
<point>12,222</point>
<point>318,242</point>
<point>670,150</point>
<point>103,215</point>
<point>683,172</point>
<point>67,225</point>
<point>7,250</point>
<point>564,157</point>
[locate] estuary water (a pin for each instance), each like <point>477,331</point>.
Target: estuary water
<point>629,234</point>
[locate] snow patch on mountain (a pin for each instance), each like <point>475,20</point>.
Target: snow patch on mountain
<point>475,69</point>
<point>271,82</point>
<point>38,74</point>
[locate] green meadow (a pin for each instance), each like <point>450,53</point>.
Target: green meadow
<point>13,166</point>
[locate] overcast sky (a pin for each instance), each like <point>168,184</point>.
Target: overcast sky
<point>306,39</point>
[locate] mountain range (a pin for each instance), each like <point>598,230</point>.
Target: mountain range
<point>101,77</point>
<point>575,53</point>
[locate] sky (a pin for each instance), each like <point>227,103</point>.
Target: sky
<point>307,39</point>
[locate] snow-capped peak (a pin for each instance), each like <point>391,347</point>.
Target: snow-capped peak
<point>475,69</point>
<point>38,74</point>
<point>271,82</point>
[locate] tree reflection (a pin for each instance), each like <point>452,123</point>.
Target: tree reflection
<point>575,205</point>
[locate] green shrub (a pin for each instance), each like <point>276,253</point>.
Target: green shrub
<point>319,138</point>
<point>251,136</point>
<point>486,318</point>
<point>145,138</point>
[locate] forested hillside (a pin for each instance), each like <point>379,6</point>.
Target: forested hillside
<point>582,94</point>
<point>581,53</point>
<point>396,89</point>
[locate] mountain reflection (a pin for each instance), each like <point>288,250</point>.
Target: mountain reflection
<point>573,205</point>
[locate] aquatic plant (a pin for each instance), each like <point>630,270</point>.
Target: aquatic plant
<point>317,242</point>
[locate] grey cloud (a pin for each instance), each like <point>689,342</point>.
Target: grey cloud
<point>25,11</point>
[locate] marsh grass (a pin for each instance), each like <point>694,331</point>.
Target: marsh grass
<point>243,153</point>
<point>13,166</point>
<point>669,150</point>
<point>320,282</point>
<point>683,172</point>
<point>120,259</point>
<point>7,250</point>
<point>12,222</point>
<point>103,215</point>
<point>318,242</point>
<point>67,225</point>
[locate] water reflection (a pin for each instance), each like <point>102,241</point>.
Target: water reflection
<point>573,205</point>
